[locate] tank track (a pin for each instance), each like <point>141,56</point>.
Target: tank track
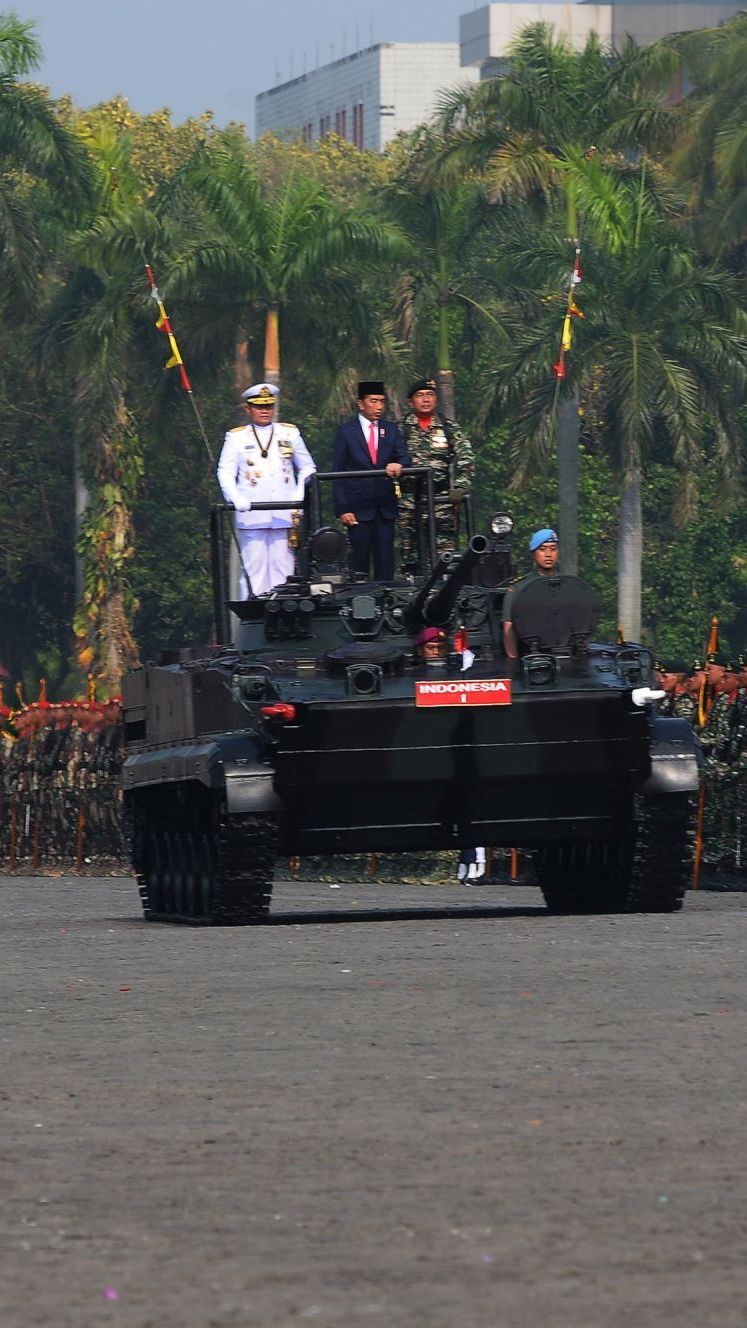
<point>210,872</point>
<point>589,877</point>
<point>662,860</point>
<point>647,874</point>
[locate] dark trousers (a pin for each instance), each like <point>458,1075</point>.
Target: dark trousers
<point>375,537</point>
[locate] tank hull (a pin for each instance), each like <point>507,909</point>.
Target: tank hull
<point>355,775</point>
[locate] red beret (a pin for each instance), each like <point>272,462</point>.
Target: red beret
<point>429,634</point>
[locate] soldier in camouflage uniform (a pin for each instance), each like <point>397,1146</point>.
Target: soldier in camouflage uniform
<point>671,675</point>
<point>686,705</point>
<point>434,440</point>
<point>717,737</point>
<point>735,779</point>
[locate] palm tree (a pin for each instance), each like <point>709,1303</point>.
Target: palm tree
<point>661,353</point>
<point>277,251</point>
<point>711,152</point>
<point>440,220</point>
<point>552,135</point>
<point>37,152</point>
<point>93,325</point>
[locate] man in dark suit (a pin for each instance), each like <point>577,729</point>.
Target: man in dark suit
<point>368,508</point>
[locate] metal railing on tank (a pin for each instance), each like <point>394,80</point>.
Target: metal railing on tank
<point>426,504</point>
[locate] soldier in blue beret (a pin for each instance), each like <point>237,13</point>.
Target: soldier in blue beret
<point>545,551</point>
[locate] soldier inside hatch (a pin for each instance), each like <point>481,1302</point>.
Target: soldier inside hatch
<point>431,644</point>
<point>545,552</point>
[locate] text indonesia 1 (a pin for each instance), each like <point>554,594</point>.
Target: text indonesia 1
<point>488,691</point>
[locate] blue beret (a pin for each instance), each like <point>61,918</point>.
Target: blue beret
<point>542,537</point>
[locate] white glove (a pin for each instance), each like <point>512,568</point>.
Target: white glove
<point>245,507</point>
<point>640,696</point>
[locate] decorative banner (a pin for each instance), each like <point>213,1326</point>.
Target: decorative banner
<point>572,311</point>
<point>164,325</point>
<point>448,692</point>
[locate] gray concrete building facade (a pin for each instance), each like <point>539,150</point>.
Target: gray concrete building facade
<point>370,96</point>
<point>485,34</point>
<point>367,97</point>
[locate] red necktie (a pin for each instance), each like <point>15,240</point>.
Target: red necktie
<point>373,444</point>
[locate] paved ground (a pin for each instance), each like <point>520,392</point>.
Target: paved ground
<point>389,1106</point>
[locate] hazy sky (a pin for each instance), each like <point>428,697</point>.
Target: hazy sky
<point>213,54</point>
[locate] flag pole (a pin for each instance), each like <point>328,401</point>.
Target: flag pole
<point>164,325</point>
<point>705,701</point>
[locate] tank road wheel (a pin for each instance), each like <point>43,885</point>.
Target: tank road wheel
<point>167,873</point>
<point>179,873</point>
<point>205,874</point>
<point>150,878</point>
<point>151,890</point>
<point>590,877</point>
<point>662,862</point>
<point>190,849</point>
<point>243,866</point>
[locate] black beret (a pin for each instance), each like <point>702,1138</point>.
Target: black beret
<point>672,666</point>
<point>422,385</point>
<point>718,657</point>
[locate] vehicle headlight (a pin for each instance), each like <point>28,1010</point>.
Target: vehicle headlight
<point>501,524</point>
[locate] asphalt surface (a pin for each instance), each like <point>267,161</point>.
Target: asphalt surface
<point>429,1107</point>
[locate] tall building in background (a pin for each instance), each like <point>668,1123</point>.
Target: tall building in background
<point>485,34</point>
<point>367,97</point>
<point>370,96</point>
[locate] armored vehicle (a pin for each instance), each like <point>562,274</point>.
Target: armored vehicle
<point>313,725</point>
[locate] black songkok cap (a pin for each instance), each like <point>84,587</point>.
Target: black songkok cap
<point>422,385</point>
<point>371,388</point>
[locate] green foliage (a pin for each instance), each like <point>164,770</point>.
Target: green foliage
<point>692,571</point>
<point>450,249</point>
<point>36,509</point>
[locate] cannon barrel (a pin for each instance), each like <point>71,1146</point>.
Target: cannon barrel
<point>433,607</point>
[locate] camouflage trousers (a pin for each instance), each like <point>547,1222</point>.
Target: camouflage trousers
<point>725,821</point>
<point>446,530</point>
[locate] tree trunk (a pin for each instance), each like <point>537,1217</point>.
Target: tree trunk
<point>445,379</point>
<point>102,626</point>
<point>243,372</point>
<point>81,500</point>
<point>272,346</point>
<point>630,558</point>
<point>444,375</point>
<point>568,433</point>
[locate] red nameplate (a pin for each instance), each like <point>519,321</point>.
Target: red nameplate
<point>449,692</point>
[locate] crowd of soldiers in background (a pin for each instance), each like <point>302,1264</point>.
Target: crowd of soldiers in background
<point>712,697</point>
<point>60,785</point>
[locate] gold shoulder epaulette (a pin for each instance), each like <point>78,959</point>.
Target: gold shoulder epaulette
<point>285,425</point>
<point>238,429</point>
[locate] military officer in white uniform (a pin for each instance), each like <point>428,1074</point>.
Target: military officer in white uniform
<point>263,461</point>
